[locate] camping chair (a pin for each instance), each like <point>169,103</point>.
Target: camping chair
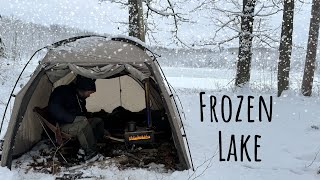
<point>61,138</point>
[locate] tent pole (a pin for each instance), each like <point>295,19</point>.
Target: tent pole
<point>184,131</point>
<point>15,85</point>
<point>120,91</point>
<point>147,97</point>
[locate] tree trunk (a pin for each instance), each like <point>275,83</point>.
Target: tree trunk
<point>308,75</point>
<point>245,43</point>
<point>2,54</point>
<point>136,23</point>
<point>1,48</point>
<point>285,48</point>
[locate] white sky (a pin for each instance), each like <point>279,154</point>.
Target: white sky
<point>78,13</point>
<point>104,18</point>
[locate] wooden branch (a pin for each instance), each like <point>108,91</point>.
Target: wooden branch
<point>221,27</point>
<point>221,42</point>
<point>201,5</point>
<point>157,11</point>
<point>116,1</point>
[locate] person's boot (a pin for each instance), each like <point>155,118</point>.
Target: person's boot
<point>90,154</point>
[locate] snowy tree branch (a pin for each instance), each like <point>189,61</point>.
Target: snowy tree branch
<point>117,2</point>
<point>221,27</point>
<point>200,6</point>
<point>157,11</point>
<point>220,42</point>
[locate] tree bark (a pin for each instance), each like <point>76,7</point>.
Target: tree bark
<point>308,75</point>
<point>245,44</point>
<point>285,48</point>
<point>1,48</point>
<point>1,45</point>
<point>136,22</point>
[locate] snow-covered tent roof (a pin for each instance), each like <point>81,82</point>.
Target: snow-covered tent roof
<point>95,50</point>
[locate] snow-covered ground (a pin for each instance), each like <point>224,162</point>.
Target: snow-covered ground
<point>288,145</point>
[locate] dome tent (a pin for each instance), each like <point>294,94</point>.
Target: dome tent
<point>111,61</point>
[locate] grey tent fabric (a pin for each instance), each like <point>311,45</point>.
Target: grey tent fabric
<point>19,136</point>
<point>99,58</point>
<point>58,71</point>
<point>108,71</point>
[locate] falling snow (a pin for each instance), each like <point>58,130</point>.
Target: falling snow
<point>289,144</point>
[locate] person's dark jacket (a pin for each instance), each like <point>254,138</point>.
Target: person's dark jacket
<point>64,105</point>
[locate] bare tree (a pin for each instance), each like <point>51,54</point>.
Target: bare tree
<point>285,48</point>
<point>139,22</point>
<point>308,75</point>
<point>136,20</point>
<point>245,43</point>
<point>168,11</point>
<point>225,19</point>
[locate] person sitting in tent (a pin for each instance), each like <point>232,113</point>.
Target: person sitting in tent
<point>67,106</point>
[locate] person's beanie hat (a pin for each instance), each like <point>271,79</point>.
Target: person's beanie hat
<point>86,84</point>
